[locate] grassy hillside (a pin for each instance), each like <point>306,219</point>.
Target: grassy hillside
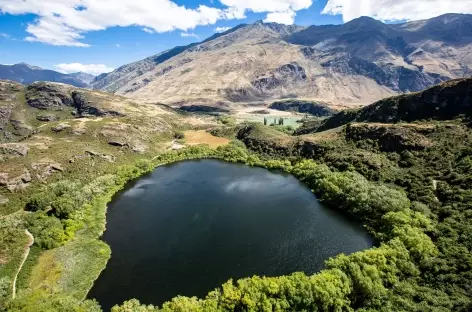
<point>449,100</point>
<point>64,152</point>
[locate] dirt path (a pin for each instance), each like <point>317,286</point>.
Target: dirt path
<point>25,256</point>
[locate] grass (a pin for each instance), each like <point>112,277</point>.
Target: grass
<point>202,137</point>
<point>70,269</point>
<point>73,267</point>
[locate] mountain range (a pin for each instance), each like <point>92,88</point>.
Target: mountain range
<point>26,74</point>
<point>352,64</point>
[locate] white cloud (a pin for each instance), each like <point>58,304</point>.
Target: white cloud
<point>222,29</point>
<point>286,17</point>
<point>148,30</point>
<point>189,35</point>
<point>60,22</point>
<point>64,22</point>
<point>396,10</point>
<point>94,69</point>
<point>118,45</point>
<point>3,35</point>
<point>261,6</point>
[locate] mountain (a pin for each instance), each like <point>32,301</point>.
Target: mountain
<point>27,74</point>
<point>352,64</point>
<point>84,77</point>
<point>358,62</point>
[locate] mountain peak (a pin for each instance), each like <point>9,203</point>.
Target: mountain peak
<point>28,66</point>
<point>363,21</point>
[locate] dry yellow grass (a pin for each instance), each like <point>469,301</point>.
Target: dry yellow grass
<point>203,137</point>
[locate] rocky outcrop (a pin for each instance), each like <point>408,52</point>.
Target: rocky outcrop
<point>8,95</point>
<point>17,183</point>
<point>58,97</point>
<point>9,89</point>
<point>284,75</point>
<point>61,127</point>
<point>45,168</point>
<point>49,96</point>
<point>86,105</point>
<point>18,149</point>
<point>47,117</point>
<point>396,78</point>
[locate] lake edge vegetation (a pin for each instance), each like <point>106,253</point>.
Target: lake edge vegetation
<point>363,279</point>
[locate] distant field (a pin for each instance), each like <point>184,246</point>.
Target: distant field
<point>203,137</point>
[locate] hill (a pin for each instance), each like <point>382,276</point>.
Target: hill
<point>351,64</point>
<point>446,101</point>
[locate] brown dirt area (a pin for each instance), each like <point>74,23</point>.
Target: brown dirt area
<point>203,137</point>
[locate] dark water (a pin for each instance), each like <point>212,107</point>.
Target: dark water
<point>189,227</point>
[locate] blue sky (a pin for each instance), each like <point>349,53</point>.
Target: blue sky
<point>99,35</point>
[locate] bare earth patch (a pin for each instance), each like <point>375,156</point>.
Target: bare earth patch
<point>203,137</point>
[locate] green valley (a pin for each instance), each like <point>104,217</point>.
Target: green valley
<point>402,167</point>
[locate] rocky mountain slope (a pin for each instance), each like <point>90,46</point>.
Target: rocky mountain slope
<point>355,63</point>
<point>26,74</point>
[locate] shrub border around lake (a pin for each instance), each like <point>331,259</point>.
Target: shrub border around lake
<point>360,280</point>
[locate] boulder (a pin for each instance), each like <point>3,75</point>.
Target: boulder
<point>47,117</point>
<point>15,148</point>
<point>17,183</point>
<point>46,167</point>
<point>61,127</point>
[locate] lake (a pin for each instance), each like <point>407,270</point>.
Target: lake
<point>188,227</point>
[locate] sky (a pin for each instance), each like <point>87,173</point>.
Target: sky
<point>97,36</point>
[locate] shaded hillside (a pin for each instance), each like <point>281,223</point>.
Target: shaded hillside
<point>300,106</point>
<point>449,100</point>
<point>352,64</point>
<point>26,74</point>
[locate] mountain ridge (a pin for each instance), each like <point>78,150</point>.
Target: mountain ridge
<point>27,74</point>
<point>355,63</point>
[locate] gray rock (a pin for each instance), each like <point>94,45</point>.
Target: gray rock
<point>15,148</point>
<point>88,105</point>
<point>17,183</point>
<point>49,96</point>
<point>45,168</point>
<point>47,117</point>
<point>61,127</point>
